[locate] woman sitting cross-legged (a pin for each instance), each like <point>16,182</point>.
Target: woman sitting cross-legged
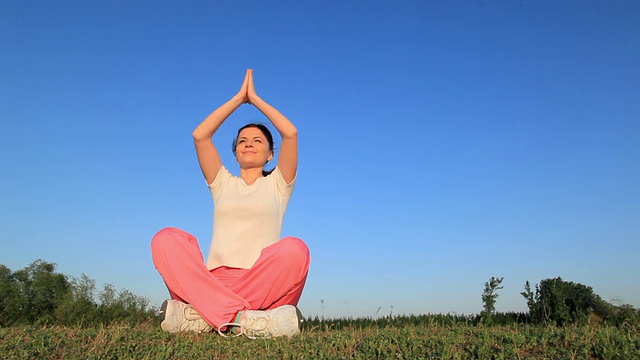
<point>252,279</point>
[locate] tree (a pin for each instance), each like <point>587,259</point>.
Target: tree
<point>79,305</point>
<point>41,290</point>
<point>9,297</point>
<point>530,296</point>
<point>563,302</point>
<point>489,297</point>
<point>123,305</point>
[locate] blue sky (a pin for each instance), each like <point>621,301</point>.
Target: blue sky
<point>441,142</point>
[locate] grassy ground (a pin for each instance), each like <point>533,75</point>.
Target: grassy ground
<point>331,339</point>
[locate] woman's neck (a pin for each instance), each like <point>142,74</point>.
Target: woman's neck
<point>250,175</point>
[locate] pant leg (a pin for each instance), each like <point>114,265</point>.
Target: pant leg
<point>278,276</point>
<point>177,256</point>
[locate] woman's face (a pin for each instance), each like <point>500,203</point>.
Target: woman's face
<point>252,148</point>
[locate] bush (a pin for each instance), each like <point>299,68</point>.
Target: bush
<point>38,294</point>
<point>564,302</point>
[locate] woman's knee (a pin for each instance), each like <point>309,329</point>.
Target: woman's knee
<point>164,237</point>
<point>295,248</point>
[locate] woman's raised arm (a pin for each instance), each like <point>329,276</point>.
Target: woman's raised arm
<point>288,156</point>
<point>208,156</point>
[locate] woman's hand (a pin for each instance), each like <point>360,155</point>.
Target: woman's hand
<point>251,89</point>
<point>242,95</point>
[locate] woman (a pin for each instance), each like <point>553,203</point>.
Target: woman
<point>252,279</point>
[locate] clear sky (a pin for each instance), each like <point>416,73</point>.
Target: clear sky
<point>441,142</point>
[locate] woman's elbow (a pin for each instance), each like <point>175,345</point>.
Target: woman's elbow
<point>198,135</point>
<point>290,133</point>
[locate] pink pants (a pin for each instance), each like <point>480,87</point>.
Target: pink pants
<point>277,278</point>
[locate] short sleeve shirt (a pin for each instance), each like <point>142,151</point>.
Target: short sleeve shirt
<point>246,218</point>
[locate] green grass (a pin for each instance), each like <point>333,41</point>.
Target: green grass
<point>388,338</point>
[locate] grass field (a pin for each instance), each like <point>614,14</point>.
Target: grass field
<point>415,337</point>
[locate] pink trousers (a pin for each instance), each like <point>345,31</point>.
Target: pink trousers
<point>277,278</point>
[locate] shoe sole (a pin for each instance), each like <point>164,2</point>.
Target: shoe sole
<point>164,324</point>
<point>163,309</point>
<point>300,318</point>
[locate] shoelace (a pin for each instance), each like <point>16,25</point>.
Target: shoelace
<point>256,328</point>
<point>226,334</point>
<point>191,316</point>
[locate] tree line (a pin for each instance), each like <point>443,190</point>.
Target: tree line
<point>560,303</point>
<point>38,294</point>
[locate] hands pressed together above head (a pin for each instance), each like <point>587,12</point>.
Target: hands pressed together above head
<point>247,93</point>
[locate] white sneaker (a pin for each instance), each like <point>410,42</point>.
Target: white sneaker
<point>178,316</point>
<point>285,320</point>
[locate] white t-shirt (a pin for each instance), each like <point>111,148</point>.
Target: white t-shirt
<point>246,218</point>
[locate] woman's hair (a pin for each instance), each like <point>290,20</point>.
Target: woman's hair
<point>266,133</point>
